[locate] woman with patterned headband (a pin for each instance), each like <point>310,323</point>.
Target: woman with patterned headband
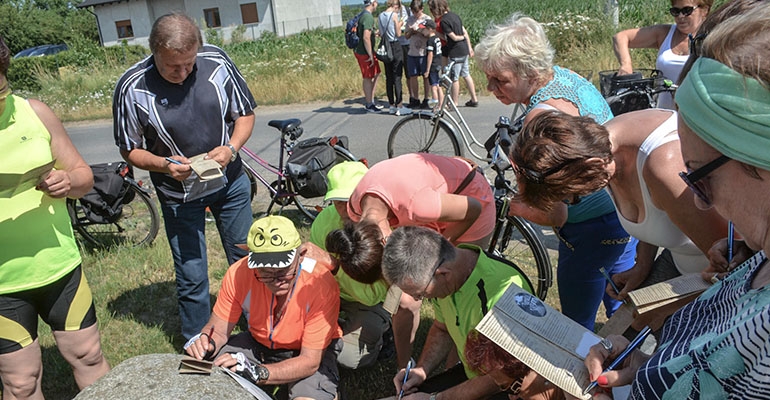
<point>719,345</point>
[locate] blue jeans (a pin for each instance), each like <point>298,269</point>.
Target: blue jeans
<point>186,233</point>
<point>584,247</point>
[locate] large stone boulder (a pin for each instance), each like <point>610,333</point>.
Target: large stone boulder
<point>156,376</point>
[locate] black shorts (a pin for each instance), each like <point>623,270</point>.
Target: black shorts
<point>65,305</point>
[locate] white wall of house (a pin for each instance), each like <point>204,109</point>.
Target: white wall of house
<point>290,17</point>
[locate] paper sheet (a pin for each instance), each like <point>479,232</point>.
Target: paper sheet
<point>191,365</point>
<point>670,289</point>
<point>13,184</point>
<point>253,389</point>
<point>206,169</point>
<point>542,338</point>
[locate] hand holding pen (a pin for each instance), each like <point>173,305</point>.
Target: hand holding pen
<point>409,366</point>
<point>608,346</point>
<point>611,282</point>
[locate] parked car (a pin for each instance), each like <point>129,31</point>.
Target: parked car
<point>42,50</point>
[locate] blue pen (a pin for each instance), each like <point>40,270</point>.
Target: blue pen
<point>631,347</point>
<point>730,240</point>
<point>172,161</point>
<point>607,277</point>
<point>409,366</point>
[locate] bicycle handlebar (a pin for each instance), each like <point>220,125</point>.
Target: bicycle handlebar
<point>669,87</point>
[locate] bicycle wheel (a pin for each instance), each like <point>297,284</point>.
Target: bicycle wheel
<point>138,223</point>
<point>519,243</point>
<point>412,134</point>
<point>311,207</point>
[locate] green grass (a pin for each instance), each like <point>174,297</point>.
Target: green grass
<point>134,289</point>
<point>316,65</point>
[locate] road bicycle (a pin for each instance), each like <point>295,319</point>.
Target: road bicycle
<point>637,91</point>
<point>120,212</point>
<point>283,189</point>
<point>438,131</point>
<point>513,237</point>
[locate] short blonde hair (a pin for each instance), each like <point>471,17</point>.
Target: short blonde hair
<point>519,45</point>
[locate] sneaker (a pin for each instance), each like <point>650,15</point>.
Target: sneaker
<point>432,103</point>
<point>403,111</point>
<point>413,103</point>
<point>392,110</point>
<point>471,103</point>
<point>372,108</point>
<point>425,104</point>
<point>379,107</point>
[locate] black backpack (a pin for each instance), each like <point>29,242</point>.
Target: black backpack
<point>351,31</point>
<point>104,203</point>
<point>308,164</point>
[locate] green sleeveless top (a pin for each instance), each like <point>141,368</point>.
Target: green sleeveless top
<point>38,246</point>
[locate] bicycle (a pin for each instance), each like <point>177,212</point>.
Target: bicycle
<point>126,215</point>
<point>284,190</point>
<point>513,237</point>
<point>637,91</point>
<point>437,131</point>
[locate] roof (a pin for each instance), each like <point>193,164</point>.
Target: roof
<point>89,3</point>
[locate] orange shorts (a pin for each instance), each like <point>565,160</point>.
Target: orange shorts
<point>368,71</point>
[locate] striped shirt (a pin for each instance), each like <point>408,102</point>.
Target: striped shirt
<point>181,119</point>
<point>717,347</point>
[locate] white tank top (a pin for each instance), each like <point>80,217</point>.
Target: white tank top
<point>657,228</point>
<point>671,65</point>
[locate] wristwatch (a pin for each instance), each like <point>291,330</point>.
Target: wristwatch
<point>263,373</point>
<point>232,149</point>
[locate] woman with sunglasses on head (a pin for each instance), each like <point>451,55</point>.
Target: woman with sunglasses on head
<point>636,157</point>
<point>671,41</point>
<point>719,345</point>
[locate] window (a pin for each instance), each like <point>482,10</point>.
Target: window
<point>212,17</point>
<point>124,29</point>
<point>249,13</point>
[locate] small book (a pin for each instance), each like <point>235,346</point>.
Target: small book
<point>544,339</point>
<point>13,184</point>
<point>190,365</point>
<point>250,387</point>
<point>660,294</point>
<point>206,169</point>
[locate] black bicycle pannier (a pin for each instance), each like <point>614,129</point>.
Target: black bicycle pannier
<point>104,203</point>
<point>308,164</point>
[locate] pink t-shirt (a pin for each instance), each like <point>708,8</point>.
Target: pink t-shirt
<point>412,184</point>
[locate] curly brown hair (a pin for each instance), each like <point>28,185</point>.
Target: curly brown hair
<point>559,156</point>
<point>484,356</point>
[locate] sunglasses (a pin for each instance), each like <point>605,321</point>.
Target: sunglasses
<point>686,11</point>
<point>692,178</point>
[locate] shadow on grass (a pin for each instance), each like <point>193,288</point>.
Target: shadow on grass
<point>377,381</point>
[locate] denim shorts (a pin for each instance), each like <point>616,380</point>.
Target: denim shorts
<point>460,69</point>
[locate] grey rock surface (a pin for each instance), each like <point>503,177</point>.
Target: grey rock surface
<point>156,376</point>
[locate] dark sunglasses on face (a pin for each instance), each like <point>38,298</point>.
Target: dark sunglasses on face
<point>692,178</point>
<point>686,11</point>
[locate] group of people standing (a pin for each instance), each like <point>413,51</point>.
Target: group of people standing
<point>421,46</point>
<point>614,189</point>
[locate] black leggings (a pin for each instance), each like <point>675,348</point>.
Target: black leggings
<point>393,72</point>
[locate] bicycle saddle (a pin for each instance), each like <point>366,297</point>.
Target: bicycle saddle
<point>290,127</point>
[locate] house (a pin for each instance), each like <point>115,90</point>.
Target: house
<point>131,20</point>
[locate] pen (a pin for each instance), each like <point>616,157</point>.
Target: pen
<point>172,161</point>
<point>631,347</point>
<point>730,240</point>
<point>607,277</point>
<point>409,366</point>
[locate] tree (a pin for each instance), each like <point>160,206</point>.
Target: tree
<point>27,23</point>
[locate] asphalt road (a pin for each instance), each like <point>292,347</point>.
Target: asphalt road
<point>367,132</point>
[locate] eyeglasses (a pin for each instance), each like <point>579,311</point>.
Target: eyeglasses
<point>692,178</point>
<point>685,11</point>
<point>270,279</point>
<point>422,294</point>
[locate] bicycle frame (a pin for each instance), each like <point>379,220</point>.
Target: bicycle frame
<point>275,192</point>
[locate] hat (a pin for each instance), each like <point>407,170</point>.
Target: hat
<point>273,242</point>
<point>429,23</point>
<point>367,2</point>
<point>343,178</point>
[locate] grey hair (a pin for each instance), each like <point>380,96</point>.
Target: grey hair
<point>411,253</point>
<point>519,45</point>
<point>175,31</point>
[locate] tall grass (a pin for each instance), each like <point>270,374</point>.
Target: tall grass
<point>134,289</point>
<point>316,66</point>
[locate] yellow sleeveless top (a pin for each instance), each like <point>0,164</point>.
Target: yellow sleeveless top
<point>37,246</point>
